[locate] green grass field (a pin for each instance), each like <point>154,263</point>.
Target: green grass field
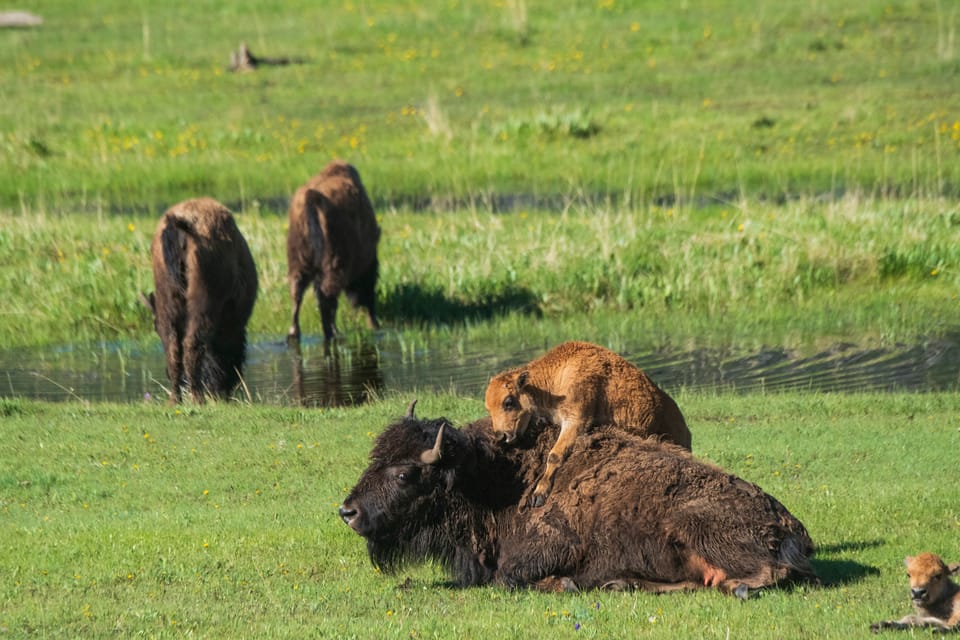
<point>122,107</point>
<point>140,520</point>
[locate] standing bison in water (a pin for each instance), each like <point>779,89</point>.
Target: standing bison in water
<point>332,242</point>
<point>625,512</point>
<point>206,284</point>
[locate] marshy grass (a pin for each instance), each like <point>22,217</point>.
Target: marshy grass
<point>855,268</point>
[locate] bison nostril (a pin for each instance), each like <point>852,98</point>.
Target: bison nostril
<point>347,514</point>
<point>918,594</point>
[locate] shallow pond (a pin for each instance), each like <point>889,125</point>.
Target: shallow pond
<point>354,372</point>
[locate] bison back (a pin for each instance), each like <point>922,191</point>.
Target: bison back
<point>643,509</point>
<point>333,228</point>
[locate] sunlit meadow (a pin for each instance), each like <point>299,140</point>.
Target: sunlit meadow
<point>123,107</point>
<point>692,172</point>
<point>221,521</point>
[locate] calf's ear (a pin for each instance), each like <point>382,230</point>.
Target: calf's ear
<point>522,380</point>
<point>954,568</point>
<point>149,302</point>
<point>907,560</point>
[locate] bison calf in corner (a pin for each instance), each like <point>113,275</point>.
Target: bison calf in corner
<point>625,512</point>
<point>935,597</point>
<point>332,242</point>
<point>206,285</point>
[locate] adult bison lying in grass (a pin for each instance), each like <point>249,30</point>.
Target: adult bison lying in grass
<point>206,285</point>
<point>332,242</point>
<point>625,512</point>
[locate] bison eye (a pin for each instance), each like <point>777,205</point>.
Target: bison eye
<point>406,476</point>
<point>509,403</point>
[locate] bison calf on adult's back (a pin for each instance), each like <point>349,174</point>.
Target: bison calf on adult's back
<point>332,242</point>
<point>206,285</point>
<point>578,385</point>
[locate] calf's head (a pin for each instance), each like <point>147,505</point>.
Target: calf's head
<point>509,409</point>
<point>929,577</point>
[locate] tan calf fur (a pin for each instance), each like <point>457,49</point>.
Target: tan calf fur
<point>935,597</point>
<point>578,385</point>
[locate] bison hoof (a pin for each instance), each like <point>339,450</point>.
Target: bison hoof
<point>538,500</point>
<point>742,592</point>
<point>568,585</point>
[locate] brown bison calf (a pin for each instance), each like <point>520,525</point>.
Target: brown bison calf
<point>206,285</point>
<point>935,597</point>
<point>332,242</point>
<point>578,385</point>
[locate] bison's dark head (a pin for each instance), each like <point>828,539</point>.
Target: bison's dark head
<point>431,491</point>
<point>405,494</point>
<point>405,471</point>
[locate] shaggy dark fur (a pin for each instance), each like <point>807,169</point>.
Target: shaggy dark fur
<point>332,242</point>
<point>206,285</point>
<point>625,512</point>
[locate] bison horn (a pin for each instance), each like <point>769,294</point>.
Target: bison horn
<point>413,403</point>
<point>432,456</point>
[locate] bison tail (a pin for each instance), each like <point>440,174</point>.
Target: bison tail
<point>314,204</point>
<point>173,241</point>
<point>794,555</point>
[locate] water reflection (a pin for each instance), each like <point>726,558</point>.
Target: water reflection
<point>335,377</point>
<point>348,373</point>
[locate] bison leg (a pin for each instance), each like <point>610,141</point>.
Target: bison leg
<point>172,349</point>
<point>912,621</point>
<point>193,354</point>
<point>568,432</point>
<point>556,584</point>
<point>362,293</point>
<point>651,586</point>
<point>328,311</point>
<point>298,286</point>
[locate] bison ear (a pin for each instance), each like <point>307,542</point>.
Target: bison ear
<point>954,568</point>
<point>149,302</point>
<point>522,380</point>
<point>908,560</point>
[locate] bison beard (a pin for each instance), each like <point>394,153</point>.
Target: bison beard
<point>626,512</point>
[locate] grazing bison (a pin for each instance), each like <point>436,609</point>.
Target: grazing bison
<point>935,597</point>
<point>206,284</point>
<point>626,512</point>
<point>332,242</point>
<point>576,385</point>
